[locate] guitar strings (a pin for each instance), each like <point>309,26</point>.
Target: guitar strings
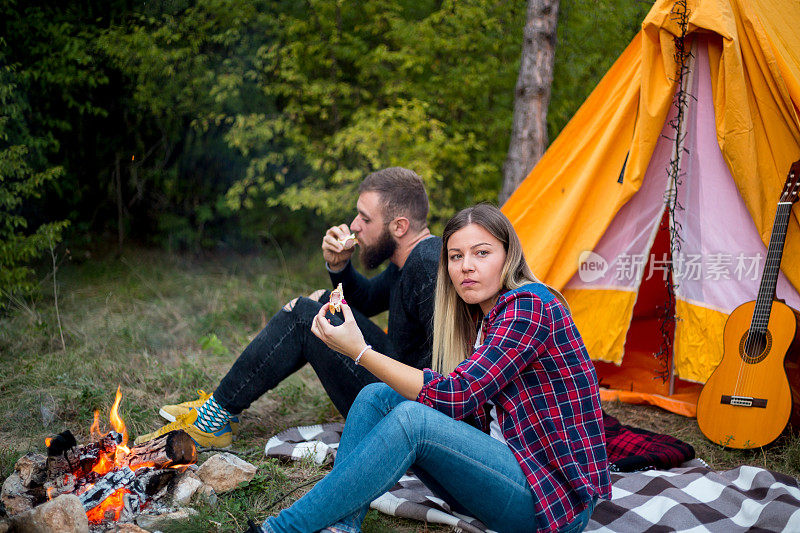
<point>760,321</point>
<point>763,306</point>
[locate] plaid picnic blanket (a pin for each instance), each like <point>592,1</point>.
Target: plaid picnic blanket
<point>696,498</point>
<point>409,498</point>
<point>689,498</point>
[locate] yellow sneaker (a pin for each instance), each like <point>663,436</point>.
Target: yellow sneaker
<point>172,412</point>
<point>219,439</point>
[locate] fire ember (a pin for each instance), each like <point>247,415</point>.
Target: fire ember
<point>112,481</point>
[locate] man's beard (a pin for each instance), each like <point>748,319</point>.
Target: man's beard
<point>373,256</point>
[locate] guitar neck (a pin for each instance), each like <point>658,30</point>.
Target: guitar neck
<point>769,279</point>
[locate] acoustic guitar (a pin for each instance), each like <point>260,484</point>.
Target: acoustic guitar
<point>747,401</point>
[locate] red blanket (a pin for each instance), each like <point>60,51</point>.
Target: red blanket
<point>632,449</point>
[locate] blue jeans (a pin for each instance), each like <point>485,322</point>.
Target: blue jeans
<point>384,436</point>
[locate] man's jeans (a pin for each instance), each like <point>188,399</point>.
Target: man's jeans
<point>384,436</point>
<point>284,346</point>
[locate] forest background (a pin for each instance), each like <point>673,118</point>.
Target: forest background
<point>229,124</point>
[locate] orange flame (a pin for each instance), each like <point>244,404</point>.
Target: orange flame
<point>141,465</point>
<point>120,453</point>
<point>47,441</point>
<point>50,491</point>
<point>94,431</point>
<point>113,503</point>
<point>119,426</point>
<point>116,421</point>
<point>104,465</point>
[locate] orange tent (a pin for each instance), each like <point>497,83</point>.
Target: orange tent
<point>678,157</point>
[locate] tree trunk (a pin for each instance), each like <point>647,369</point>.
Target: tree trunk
<point>531,95</point>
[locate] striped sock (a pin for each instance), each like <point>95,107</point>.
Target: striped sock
<point>211,416</point>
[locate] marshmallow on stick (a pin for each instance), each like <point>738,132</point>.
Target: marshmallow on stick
<point>337,297</point>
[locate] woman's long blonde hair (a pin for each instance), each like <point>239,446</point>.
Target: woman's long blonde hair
<point>454,325</point>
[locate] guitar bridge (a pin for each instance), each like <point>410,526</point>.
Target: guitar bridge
<point>743,401</point>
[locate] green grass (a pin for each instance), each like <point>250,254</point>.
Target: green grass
<point>163,325</point>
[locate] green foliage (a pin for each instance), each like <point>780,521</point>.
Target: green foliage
<point>19,244</point>
<point>428,86</point>
<point>591,36</point>
<point>185,74</point>
<point>18,249</point>
<point>361,86</point>
<point>212,343</point>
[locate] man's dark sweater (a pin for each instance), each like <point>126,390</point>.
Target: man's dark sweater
<point>407,293</point>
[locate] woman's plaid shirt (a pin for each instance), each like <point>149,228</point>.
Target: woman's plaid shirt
<point>534,366</point>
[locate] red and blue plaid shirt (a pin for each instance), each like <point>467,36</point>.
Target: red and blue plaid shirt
<point>534,366</point>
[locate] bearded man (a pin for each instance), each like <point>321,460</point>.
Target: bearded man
<point>391,224</point>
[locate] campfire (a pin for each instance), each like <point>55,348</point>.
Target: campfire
<point>112,481</point>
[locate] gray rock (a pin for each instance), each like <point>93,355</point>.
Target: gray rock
<point>32,469</point>
<point>14,496</point>
<point>225,472</point>
<point>64,514</point>
<point>185,487</point>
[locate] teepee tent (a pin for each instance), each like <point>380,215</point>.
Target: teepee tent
<point>652,209</point>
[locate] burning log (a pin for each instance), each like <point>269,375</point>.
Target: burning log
<point>173,448</point>
<point>152,480</point>
<point>39,478</point>
<point>65,484</point>
<point>83,459</point>
<point>106,444</point>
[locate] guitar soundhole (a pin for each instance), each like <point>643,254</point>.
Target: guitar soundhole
<point>756,348</point>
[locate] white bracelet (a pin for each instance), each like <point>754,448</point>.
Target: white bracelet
<point>358,358</point>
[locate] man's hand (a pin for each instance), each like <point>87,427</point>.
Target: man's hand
<point>314,296</point>
<point>335,252</point>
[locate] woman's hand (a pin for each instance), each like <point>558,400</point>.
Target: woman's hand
<point>346,338</point>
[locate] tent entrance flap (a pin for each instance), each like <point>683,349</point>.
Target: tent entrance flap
<point>643,376</point>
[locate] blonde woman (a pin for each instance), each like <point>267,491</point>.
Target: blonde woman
<point>507,427</point>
